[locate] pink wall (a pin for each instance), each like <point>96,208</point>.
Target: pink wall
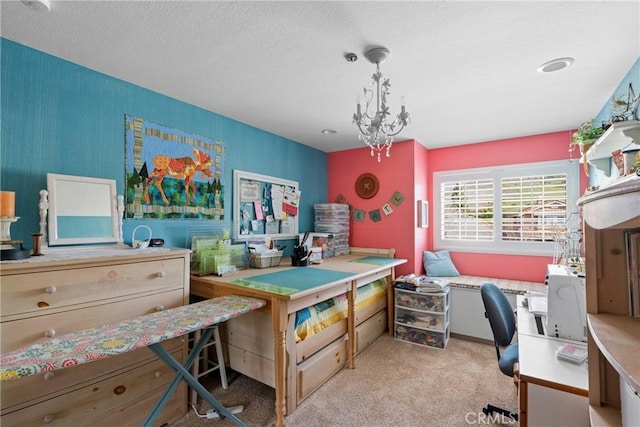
<point>529,149</point>
<point>410,170</point>
<point>395,173</point>
<point>421,186</point>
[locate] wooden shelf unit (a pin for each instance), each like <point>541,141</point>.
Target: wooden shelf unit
<point>614,336</point>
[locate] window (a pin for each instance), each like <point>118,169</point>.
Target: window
<point>505,209</point>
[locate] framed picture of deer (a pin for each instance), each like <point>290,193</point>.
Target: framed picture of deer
<point>172,174</point>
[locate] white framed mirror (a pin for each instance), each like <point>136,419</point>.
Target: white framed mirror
<point>82,210</point>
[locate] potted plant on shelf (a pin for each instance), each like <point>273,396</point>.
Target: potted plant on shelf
<point>586,135</point>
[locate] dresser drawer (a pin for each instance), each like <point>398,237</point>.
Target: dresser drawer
<point>26,391</point>
<point>39,293</point>
<point>370,330</point>
<point>313,372</point>
<point>133,413</point>
<point>20,333</point>
<point>91,405</point>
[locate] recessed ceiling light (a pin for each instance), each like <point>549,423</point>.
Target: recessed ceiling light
<point>38,4</point>
<point>555,65</point>
<point>328,131</point>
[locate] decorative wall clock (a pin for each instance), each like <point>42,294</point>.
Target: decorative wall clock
<point>367,185</point>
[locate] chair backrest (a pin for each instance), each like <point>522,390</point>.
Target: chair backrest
<point>384,253</point>
<point>500,314</point>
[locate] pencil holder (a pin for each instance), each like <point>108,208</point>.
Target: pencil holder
<point>299,262</point>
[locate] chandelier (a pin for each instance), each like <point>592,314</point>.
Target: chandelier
<point>375,131</point>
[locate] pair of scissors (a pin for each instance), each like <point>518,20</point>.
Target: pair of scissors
<point>304,239</point>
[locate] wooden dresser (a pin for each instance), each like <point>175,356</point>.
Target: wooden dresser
<point>69,291</point>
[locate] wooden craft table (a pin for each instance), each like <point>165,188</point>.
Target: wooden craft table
<point>150,330</point>
<point>288,289</point>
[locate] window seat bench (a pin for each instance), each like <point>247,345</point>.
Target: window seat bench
<point>508,286</point>
<point>467,309</point>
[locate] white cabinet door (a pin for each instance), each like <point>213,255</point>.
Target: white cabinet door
<point>547,407</point>
<point>467,313</point>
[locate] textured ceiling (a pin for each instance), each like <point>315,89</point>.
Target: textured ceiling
<point>467,70</point>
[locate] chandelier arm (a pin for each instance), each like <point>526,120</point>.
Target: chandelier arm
<point>368,101</point>
<point>393,125</point>
<point>362,131</point>
<point>397,132</point>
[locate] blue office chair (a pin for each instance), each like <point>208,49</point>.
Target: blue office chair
<point>503,325</point>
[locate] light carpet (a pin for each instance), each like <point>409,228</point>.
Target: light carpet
<point>394,384</point>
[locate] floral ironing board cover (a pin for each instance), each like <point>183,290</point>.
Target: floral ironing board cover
<point>111,339</point>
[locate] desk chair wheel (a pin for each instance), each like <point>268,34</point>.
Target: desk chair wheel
<point>492,409</point>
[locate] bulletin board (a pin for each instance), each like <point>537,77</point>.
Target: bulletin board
<point>264,207</point>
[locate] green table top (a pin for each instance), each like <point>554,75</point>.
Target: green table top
<point>375,260</point>
<point>291,281</point>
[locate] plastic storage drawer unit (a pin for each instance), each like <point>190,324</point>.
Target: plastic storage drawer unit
<point>422,318</point>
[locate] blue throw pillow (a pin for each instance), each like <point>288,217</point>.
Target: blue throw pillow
<point>438,264</point>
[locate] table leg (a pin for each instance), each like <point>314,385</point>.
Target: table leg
<point>182,373</point>
<point>522,395</point>
<point>351,324</point>
<point>390,304</point>
<point>279,318</point>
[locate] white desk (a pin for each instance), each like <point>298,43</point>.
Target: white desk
<point>552,392</point>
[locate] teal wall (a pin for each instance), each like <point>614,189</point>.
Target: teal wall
<point>596,176</point>
<point>58,117</point>
<point>633,77</point>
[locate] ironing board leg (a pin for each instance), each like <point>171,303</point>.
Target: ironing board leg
<point>182,373</point>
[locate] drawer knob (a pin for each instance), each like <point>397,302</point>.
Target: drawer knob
<point>160,308</point>
<point>160,274</point>
<point>50,333</point>
<point>158,374</point>
<point>51,290</point>
<point>48,376</point>
<point>48,419</point>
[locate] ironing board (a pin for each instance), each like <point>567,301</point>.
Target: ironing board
<point>150,330</point>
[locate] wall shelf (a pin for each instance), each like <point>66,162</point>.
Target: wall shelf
<point>617,338</point>
<point>617,137</point>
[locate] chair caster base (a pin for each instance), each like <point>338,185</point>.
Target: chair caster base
<point>492,409</point>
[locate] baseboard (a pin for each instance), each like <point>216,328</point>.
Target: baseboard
<point>470,338</point>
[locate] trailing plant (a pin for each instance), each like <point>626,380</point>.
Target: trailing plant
<point>588,132</point>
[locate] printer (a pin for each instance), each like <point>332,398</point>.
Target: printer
<point>566,304</point>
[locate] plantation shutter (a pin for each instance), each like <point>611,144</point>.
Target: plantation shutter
<point>534,208</point>
<point>467,210</point>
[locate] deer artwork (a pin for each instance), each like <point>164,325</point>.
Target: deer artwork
<point>179,168</point>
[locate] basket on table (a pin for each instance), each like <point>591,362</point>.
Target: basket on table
<point>265,260</point>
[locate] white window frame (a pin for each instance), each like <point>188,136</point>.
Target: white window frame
<point>571,168</point>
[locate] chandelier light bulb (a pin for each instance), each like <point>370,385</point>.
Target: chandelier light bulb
<point>374,130</point>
